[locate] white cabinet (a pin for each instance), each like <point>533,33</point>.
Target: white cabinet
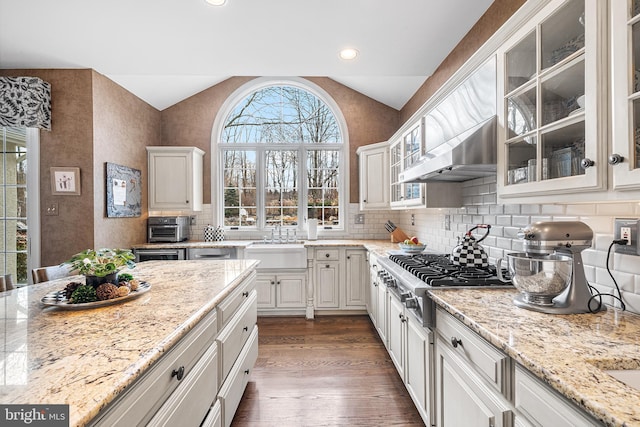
<point>175,178</point>
<point>340,278</point>
<point>552,98</point>
<point>356,279</point>
<point>410,347</point>
<point>327,290</point>
<point>374,176</point>
<point>539,405</point>
<point>625,86</point>
<point>404,152</point>
<point>472,379</point>
<point>281,290</point>
<point>372,293</point>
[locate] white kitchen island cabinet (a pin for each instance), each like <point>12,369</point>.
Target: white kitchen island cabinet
<point>175,178</point>
<point>163,358</point>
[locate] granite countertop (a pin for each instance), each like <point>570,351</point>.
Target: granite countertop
<point>86,358</point>
<point>568,352</point>
<point>378,246</point>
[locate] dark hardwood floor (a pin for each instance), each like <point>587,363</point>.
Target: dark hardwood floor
<point>331,371</point>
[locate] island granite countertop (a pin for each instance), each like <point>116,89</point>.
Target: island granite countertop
<point>568,352</point>
<point>85,358</point>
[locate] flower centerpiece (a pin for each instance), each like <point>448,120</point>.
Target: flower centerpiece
<point>101,265</point>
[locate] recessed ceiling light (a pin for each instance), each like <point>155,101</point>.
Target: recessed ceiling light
<point>348,53</point>
<point>216,2</point>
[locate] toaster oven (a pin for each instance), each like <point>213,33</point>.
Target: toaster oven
<point>168,229</point>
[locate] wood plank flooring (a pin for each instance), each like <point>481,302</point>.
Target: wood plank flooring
<point>331,371</point>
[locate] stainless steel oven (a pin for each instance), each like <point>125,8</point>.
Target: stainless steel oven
<point>167,254</point>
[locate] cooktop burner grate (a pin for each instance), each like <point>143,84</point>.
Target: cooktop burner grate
<point>438,270</point>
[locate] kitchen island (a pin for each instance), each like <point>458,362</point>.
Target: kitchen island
<point>87,358</point>
<point>569,353</point>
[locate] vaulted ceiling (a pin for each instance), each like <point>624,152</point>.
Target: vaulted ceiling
<point>164,51</point>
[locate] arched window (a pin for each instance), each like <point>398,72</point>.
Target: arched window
<point>281,158</point>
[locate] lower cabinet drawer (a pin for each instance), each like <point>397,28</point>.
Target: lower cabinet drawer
<point>233,301</point>
<point>493,365</point>
<point>540,405</point>
<point>233,388</point>
<point>190,402</point>
<point>214,417</point>
<point>235,334</point>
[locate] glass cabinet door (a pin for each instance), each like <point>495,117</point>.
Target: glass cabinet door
<point>404,153</point>
<point>547,75</point>
<point>625,77</point>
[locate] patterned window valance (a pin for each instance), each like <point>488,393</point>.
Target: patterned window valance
<point>25,102</point>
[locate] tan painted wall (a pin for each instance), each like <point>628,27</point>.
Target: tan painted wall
<point>123,125</point>
<point>189,123</point>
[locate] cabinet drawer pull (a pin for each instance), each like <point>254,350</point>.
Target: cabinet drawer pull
<point>178,373</point>
<point>455,342</point>
<point>245,294</point>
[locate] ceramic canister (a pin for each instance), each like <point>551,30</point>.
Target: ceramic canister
<point>218,234</point>
<point>209,233</point>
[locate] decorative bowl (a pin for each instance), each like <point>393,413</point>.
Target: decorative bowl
<point>540,278</point>
<point>412,249</point>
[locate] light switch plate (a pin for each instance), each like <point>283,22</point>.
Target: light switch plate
<point>627,228</point>
<point>52,209</point>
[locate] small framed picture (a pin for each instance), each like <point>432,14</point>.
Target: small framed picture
<point>65,181</point>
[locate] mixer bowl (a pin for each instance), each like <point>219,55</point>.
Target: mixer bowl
<point>540,277</point>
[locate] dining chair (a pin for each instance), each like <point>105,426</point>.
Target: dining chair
<point>43,274</point>
<point>6,283</point>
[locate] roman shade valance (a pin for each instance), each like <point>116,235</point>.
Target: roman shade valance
<point>25,102</point>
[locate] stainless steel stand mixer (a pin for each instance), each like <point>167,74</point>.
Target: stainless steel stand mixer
<point>550,273</point>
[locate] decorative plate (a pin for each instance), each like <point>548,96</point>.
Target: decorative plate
<point>58,299</point>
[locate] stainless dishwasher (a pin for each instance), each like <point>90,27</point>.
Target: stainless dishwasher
<point>212,253</point>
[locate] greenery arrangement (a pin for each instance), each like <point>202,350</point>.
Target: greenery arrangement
<point>101,262</point>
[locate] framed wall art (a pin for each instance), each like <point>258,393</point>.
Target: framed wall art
<point>124,191</point>
<point>65,181</point>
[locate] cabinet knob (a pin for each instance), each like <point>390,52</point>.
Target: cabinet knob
<point>327,266</point>
<point>455,342</point>
<point>327,255</point>
<point>245,294</point>
<point>273,283</point>
<point>615,159</point>
<point>349,257</point>
<point>246,329</point>
<point>178,373</point>
<point>365,200</point>
<point>587,163</point>
<point>186,201</point>
<point>246,371</point>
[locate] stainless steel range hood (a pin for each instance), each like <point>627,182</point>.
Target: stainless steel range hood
<point>461,133</point>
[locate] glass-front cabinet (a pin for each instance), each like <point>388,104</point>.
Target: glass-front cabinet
<point>552,107</point>
<point>404,152</point>
<point>625,77</point>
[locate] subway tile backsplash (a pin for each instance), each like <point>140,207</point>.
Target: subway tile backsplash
<point>480,207</point>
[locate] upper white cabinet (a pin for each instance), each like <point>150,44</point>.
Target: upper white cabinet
<point>625,77</point>
<point>404,152</point>
<point>175,178</point>
<point>374,176</point>
<point>552,103</point>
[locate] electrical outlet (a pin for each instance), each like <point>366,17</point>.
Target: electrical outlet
<point>413,219</point>
<point>360,219</point>
<point>447,222</point>
<point>627,228</point>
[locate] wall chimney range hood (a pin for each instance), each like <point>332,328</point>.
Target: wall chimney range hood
<point>461,133</point>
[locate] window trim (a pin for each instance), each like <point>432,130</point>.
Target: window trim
<point>216,159</point>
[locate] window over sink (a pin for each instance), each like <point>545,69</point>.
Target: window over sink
<point>279,157</point>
